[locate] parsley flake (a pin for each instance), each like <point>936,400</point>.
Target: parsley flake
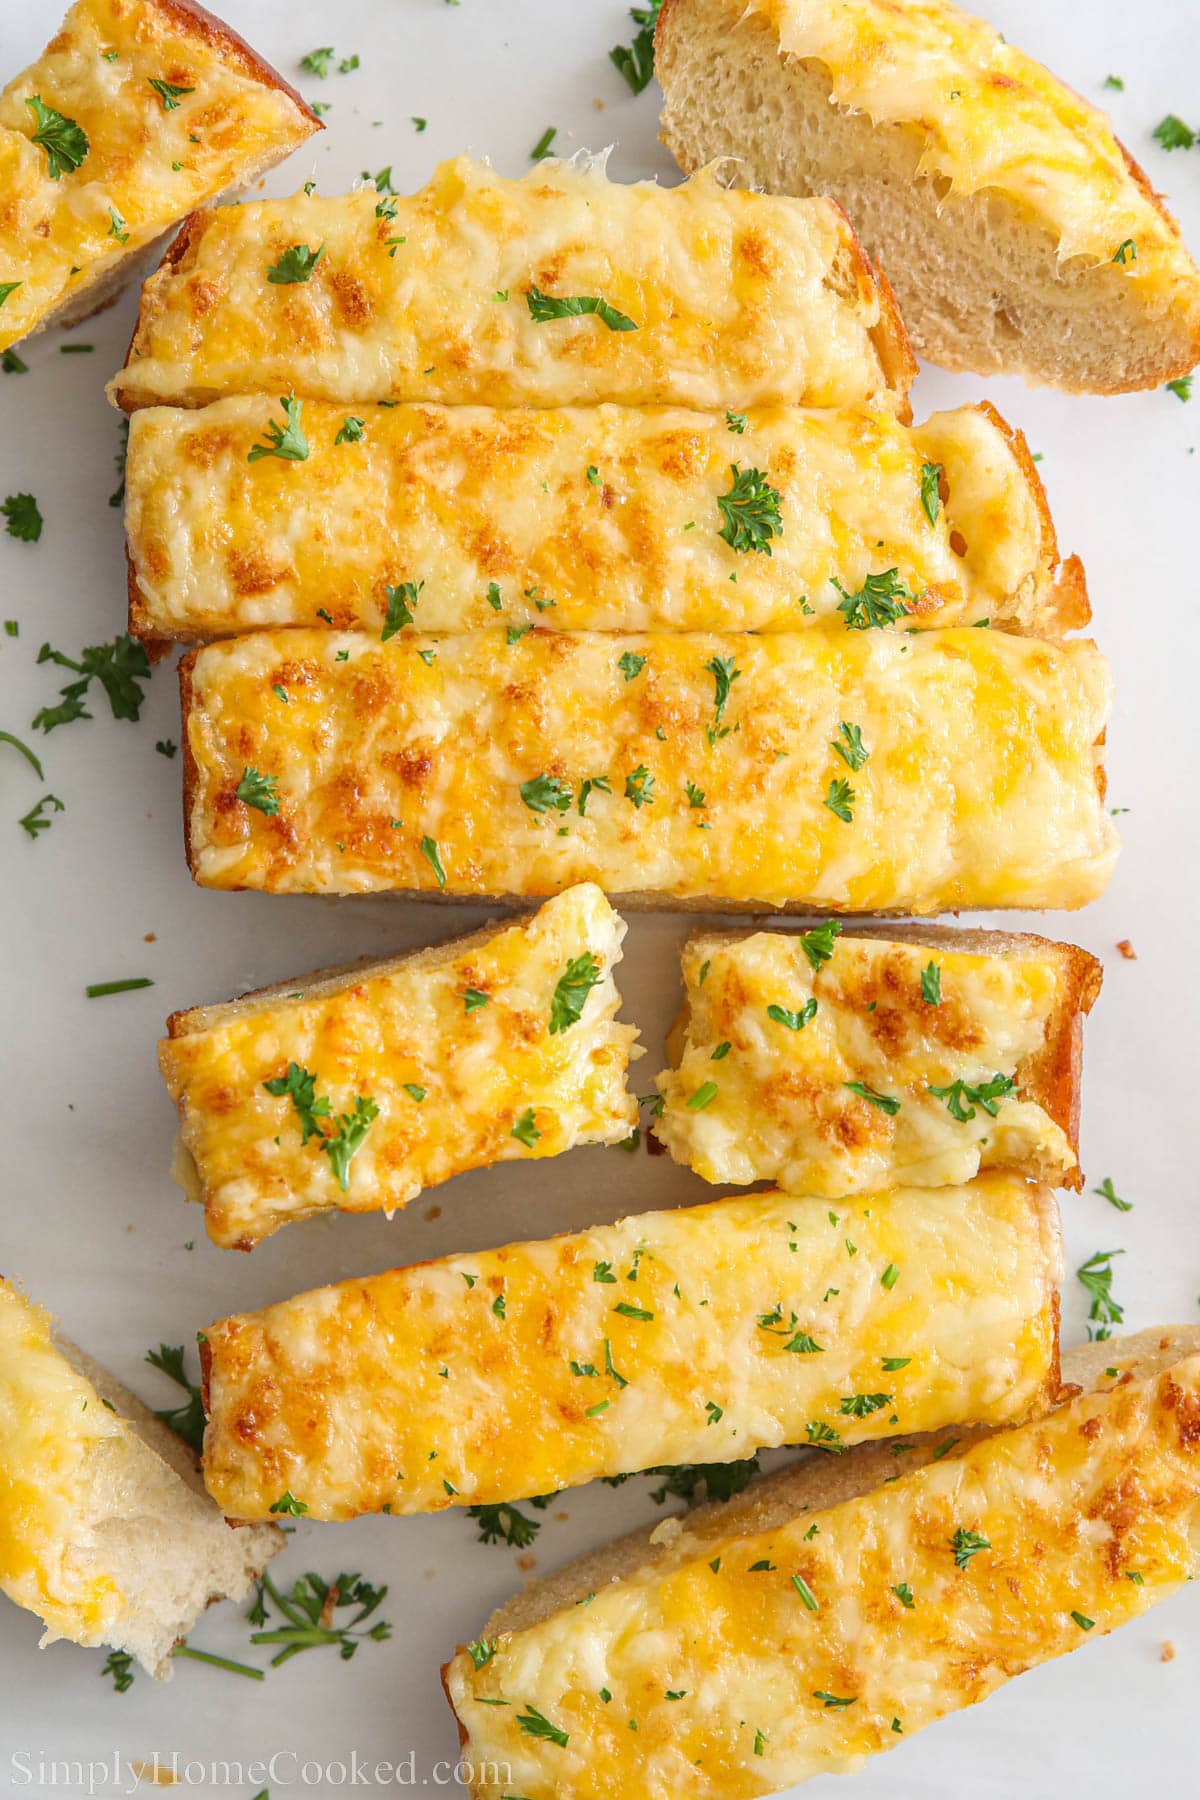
<point>286,442</point>
<point>295,265</point>
<point>581,975</point>
<point>750,511</point>
<point>61,138</point>
<point>543,307</point>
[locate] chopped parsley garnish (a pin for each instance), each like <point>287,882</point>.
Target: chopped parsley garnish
<point>840,1701</point>
<point>1108,1192</point>
<point>931,475</point>
<point>317,62</point>
<point>966,1544</point>
<point>525,1130</point>
<point>1096,1276</point>
<point>817,944</point>
<point>259,791</point>
<point>418,124</point>
<point>120,1666</point>
<point>309,1607</point>
<point>1173,134</point>
<point>1181,387</point>
<point>602,1271</point>
<point>481,1652</point>
<point>962,1099</point>
<point>580,976</point>
<point>887,1103</point>
<point>22,518</point>
<point>543,307</point>
<point>296,264</point>
<point>61,138</point>
<point>724,673</point>
<point>639,787</point>
<point>116,226</point>
<point>1114,81</point>
<point>119,667</point>
<point>1126,252</point>
<point>704,1095</point>
<point>11,364</point>
<point>429,850</point>
<point>719,1481</point>
<point>795,1021</point>
<point>186,1421</point>
<point>34,822</point>
<point>99,990</point>
<point>301,1088</point>
<point>840,800</point>
<point>594,784</point>
<point>628,1311</point>
<point>473,998</point>
<point>542,148</point>
<point>535,1724</point>
<point>890,1277</point>
<point>750,511</point>
<point>288,1503</point>
<point>8,288</point>
<point>850,747</point>
<point>904,1594</point>
<point>504,1523</point>
<point>1082,1620</point>
<point>631,665</point>
<point>805,1592</point>
<point>546,793</point>
<point>636,61</point>
<point>861,1406</point>
<point>400,601</point>
<point>889,1364</point>
<point>348,1138</point>
<point>879,601</point>
<point>415,1092</point>
<point>931,984</point>
<point>169,94</point>
<point>288,442</point>
<point>695,795</point>
<point>824,1437</point>
<point>736,422</point>
<point>350,430</point>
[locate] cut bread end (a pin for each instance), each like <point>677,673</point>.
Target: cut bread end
<point>980,282</point>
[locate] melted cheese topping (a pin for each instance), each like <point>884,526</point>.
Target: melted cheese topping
<point>392,1029</point>
<point>783,1111</point>
<point>146,165</point>
<point>609,512</point>
<point>736,298</point>
<point>981,788</point>
<point>739,1686</point>
<point>52,1421</point>
<point>989,117</point>
<point>671,1337</point>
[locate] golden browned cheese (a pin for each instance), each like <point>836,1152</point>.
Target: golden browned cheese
<point>991,118</point>
<point>682,767</point>
<point>732,1665</point>
<point>697,1335</point>
<point>611,513</point>
<point>698,295</point>
<point>499,1046</point>
<point>831,1065</point>
<point>151,156</point>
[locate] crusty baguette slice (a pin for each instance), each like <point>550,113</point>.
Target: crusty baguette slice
<point>832,1609</point>
<point>804,1028</point>
<point>500,1045</point>
<point>702,1334</point>
<point>1019,234</point>
<point>148,156</point>
<point>106,1532</point>
<point>449,295</point>
<point>609,512</point>
<point>719,780</point>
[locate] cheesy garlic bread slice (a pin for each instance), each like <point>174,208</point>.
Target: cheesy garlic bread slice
<point>684,769</point>
<point>106,1532</point>
<point>833,1062</point>
<point>356,1088</point>
<point>1021,236</point>
<point>696,1335</point>
<point>831,1611</point>
<point>599,518</point>
<point>557,288</point>
<point>137,112</point>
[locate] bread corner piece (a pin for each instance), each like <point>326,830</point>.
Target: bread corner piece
<point>106,1532</point>
<point>1020,236</point>
<point>145,109</point>
<point>866,1595</point>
